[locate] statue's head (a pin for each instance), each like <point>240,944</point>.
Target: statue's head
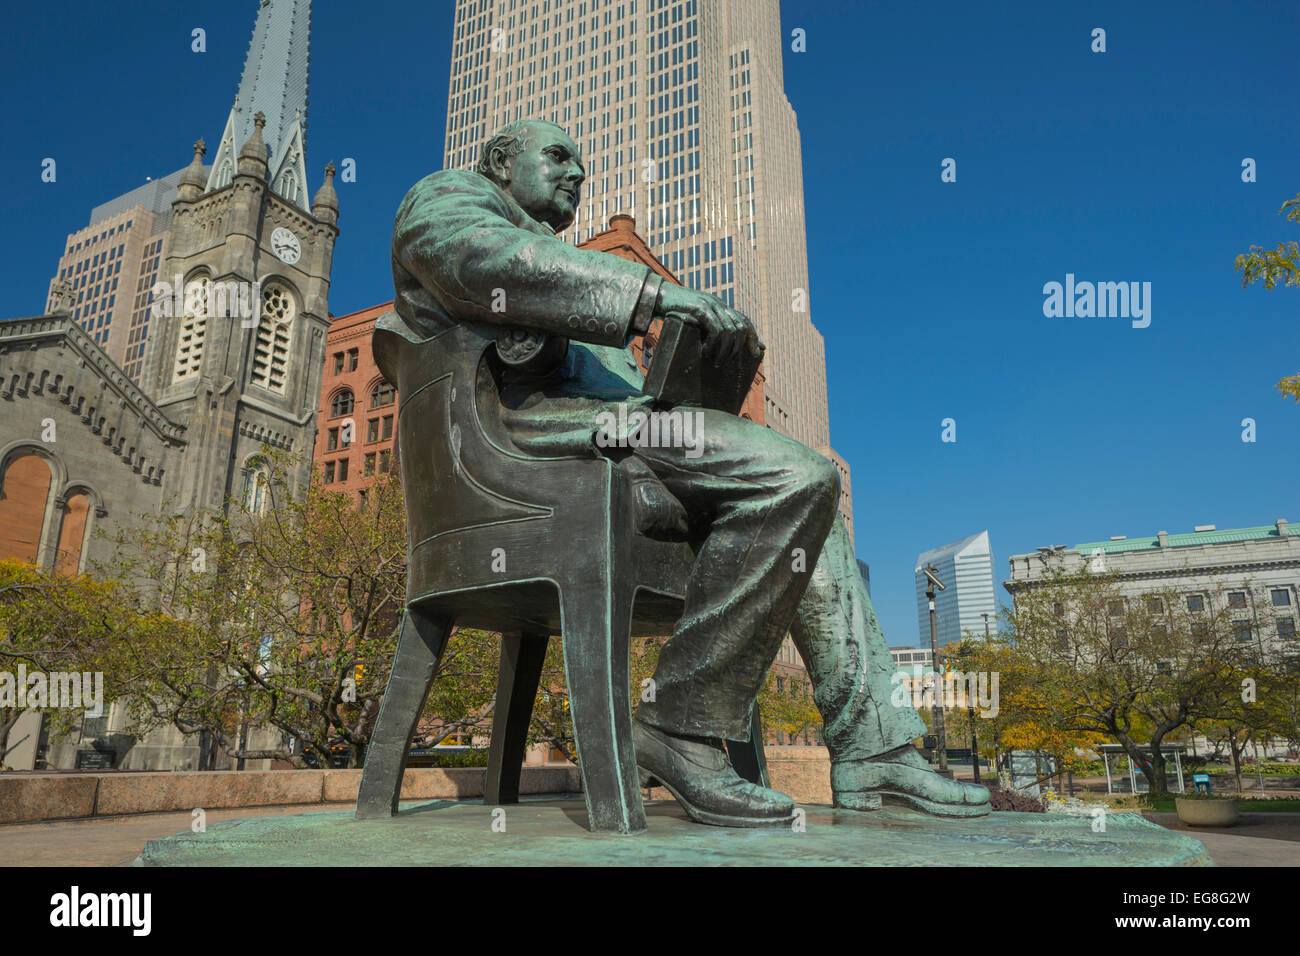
<point>540,167</point>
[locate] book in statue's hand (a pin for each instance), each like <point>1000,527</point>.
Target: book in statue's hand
<point>680,375</point>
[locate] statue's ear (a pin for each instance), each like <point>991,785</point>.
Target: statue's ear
<point>500,164</point>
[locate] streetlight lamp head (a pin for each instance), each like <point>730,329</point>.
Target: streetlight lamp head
<point>932,575</point>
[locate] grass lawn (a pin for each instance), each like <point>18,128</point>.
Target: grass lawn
<point>1165,804</point>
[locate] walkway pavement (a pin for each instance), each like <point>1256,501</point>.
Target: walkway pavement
<point>113,841</point>
<point>1258,839</point>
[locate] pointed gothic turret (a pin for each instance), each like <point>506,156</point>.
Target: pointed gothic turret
<point>325,205</point>
<point>274,86</point>
<point>252,158</point>
<point>288,171</point>
<point>195,176</point>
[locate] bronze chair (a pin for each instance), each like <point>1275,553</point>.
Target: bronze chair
<point>529,547</point>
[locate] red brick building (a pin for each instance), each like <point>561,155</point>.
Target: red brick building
<point>356,428</point>
<point>357,423</point>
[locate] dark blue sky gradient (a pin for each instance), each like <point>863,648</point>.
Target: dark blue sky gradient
<point>1123,166</point>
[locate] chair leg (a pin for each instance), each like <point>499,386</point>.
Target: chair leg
<point>419,646</point>
<point>747,756</point>
<point>522,656</point>
<point>597,626</point>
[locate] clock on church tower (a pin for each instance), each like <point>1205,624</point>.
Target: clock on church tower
<point>285,245</point>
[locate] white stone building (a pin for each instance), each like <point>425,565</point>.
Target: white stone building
<point>1255,572</point>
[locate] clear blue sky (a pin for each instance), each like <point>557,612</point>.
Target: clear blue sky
<point>1122,166</point>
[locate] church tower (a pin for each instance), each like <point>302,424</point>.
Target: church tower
<point>238,348</point>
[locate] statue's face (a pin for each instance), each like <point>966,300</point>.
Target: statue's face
<point>546,177</point>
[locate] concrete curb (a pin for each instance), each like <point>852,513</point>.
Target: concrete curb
<point>32,798</point>
<point>802,772</point>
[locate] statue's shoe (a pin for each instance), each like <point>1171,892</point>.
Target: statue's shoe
<point>903,776</point>
<point>698,774</point>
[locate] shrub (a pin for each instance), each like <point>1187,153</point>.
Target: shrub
<point>462,758</point>
<point>1010,800</point>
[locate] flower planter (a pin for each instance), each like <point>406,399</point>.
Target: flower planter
<point>1207,813</point>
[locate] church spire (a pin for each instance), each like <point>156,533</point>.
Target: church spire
<point>274,84</point>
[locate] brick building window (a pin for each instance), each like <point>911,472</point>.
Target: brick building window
<point>329,472</point>
<point>368,468</point>
<point>342,403</point>
<point>382,394</point>
<point>372,430</point>
<point>387,432</point>
<point>332,439</point>
<point>338,363</point>
<point>385,461</point>
<point>353,355</point>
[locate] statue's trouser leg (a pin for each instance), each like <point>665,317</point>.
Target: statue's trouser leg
<point>770,502</point>
<point>836,633</point>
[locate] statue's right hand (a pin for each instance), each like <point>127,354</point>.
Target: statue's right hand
<point>726,332</point>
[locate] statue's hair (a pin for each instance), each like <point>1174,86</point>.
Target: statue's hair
<point>510,140</point>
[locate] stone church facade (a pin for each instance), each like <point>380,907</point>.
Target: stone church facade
<point>234,370</point>
<point>233,363</point>
<point>238,368</point>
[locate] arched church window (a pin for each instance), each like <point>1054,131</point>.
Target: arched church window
<point>76,516</point>
<point>24,493</point>
<point>382,394</point>
<point>256,481</point>
<point>342,403</point>
<point>194,327</point>
<point>224,173</point>
<point>271,350</point>
<point>289,185</point>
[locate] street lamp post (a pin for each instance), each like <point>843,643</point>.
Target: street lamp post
<point>931,576</point>
<point>970,710</point>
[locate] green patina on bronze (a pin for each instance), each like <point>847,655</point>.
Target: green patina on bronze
<point>509,347</point>
<point>552,833</point>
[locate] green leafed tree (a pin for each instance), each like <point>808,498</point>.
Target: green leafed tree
<point>1086,657</point>
<point>275,629</point>
<point>51,623</point>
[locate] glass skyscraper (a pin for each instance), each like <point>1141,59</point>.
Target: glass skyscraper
<point>966,567</point>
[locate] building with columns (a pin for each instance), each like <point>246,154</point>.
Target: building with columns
<point>1253,572</point>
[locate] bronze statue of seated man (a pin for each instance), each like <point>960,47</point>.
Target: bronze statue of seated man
<point>480,247</point>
